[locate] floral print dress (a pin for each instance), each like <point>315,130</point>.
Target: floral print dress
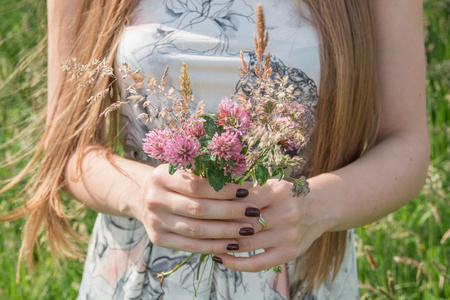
<point>208,36</point>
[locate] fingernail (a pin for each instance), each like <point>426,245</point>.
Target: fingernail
<point>217,260</point>
<point>232,247</point>
<point>246,231</point>
<point>241,193</point>
<point>252,212</point>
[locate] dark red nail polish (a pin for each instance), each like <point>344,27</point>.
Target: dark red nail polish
<point>241,193</point>
<point>217,260</point>
<point>232,247</point>
<point>246,231</point>
<point>252,212</point>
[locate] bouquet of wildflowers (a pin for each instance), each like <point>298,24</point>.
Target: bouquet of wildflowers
<point>237,142</point>
<point>253,136</point>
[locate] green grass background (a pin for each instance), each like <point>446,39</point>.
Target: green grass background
<point>402,256</point>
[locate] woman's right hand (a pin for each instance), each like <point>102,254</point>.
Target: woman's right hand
<point>182,211</point>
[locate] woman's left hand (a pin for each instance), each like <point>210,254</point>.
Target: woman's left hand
<point>293,224</point>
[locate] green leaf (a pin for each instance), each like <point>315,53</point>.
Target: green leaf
<point>262,174</point>
<point>206,160</point>
<point>205,140</point>
<point>210,125</point>
<point>216,179</point>
<point>230,163</point>
<point>212,116</point>
<point>222,163</point>
<point>172,169</point>
<point>276,269</point>
<point>198,165</point>
<point>276,172</point>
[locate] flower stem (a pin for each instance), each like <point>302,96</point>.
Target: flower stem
<point>163,274</point>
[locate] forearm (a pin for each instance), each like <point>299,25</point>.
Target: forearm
<point>384,179</point>
<point>104,187</point>
<point>393,172</point>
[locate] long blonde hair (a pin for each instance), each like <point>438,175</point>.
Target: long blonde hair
<point>76,126</point>
<point>347,120</point>
<point>347,113</point>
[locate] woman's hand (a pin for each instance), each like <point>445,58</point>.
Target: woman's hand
<point>183,212</point>
<point>179,211</point>
<point>293,223</point>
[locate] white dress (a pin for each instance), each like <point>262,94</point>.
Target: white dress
<point>208,36</point>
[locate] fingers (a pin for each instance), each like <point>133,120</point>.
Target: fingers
<point>201,246</point>
<point>269,217</point>
<point>282,241</point>
<point>264,240</point>
<point>191,185</point>
<point>212,209</point>
<point>185,194</point>
<point>197,236</point>
<point>196,196</point>
<point>200,229</point>
<point>256,263</point>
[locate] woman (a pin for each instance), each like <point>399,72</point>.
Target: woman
<point>369,149</point>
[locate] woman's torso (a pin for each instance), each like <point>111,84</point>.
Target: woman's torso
<point>208,36</point>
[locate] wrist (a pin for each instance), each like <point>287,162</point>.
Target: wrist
<point>133,198</point>
<point>323,205</point>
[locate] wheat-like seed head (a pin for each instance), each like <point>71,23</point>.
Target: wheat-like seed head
<point>185,84</point>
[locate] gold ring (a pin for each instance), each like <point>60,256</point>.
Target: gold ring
<point>262,221</point>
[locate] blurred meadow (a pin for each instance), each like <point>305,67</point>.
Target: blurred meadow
<point>403,256</point>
